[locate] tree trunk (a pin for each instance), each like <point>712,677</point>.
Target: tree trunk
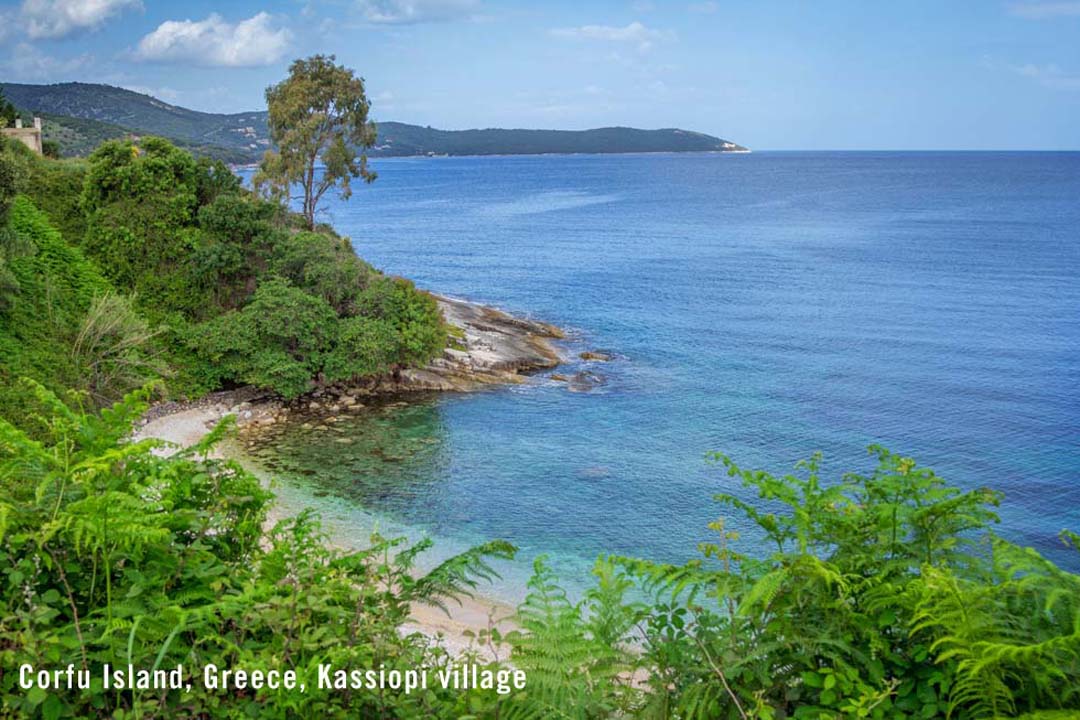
<point>309,189</point>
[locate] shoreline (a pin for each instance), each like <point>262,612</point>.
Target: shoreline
<point>487,347</point>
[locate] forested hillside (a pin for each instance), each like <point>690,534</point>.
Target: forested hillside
<point>143,263</point>
<point>241,133</point>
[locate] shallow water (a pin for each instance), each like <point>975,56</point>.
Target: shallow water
<point>765,305</point>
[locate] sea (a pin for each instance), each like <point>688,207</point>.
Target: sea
<point>766,306</point>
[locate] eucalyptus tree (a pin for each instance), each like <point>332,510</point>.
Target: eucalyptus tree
<point>318,116</point>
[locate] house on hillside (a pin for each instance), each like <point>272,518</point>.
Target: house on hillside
<point>28,136</point>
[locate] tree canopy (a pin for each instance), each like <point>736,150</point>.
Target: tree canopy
<point>318,115</point>
<point>8,112</point>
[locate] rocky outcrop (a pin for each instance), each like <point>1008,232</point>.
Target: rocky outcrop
<point>487,346</point>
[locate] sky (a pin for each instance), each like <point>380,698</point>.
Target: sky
<point>918,74</point>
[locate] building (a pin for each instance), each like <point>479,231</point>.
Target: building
<point>28,136</point>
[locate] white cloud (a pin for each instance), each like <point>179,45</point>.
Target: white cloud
<point>1050,76</point>
<point>636,34</point>
<point>214,41</point>
<point>28,64</point>
<point>57,18</point>
<point>409,12</point>
<point>1044,10</point>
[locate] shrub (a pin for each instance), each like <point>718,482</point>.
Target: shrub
<point>233,252</point>
<point>113,352</point>
<point>325,266</point>
<point>54,288</point>
<point>365,346</point>
<point>56,187</point>
<point>278,341</point>
<point>420,333</point>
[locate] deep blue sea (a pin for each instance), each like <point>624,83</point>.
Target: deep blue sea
<point>765,305</point>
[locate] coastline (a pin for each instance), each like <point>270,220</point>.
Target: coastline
<point>487,347</point>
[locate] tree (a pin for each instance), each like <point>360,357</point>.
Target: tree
<point>319,114</point>
<point>8,112</point>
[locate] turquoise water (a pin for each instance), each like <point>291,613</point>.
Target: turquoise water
<point>765,305</point>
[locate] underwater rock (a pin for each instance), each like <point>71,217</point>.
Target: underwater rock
<point>585,381</point>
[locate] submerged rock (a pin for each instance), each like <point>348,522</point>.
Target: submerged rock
<point>595,355</point>
<point>585,381</point>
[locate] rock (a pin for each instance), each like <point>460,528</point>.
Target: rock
<point>585,381</point>
<point>594,355</point>
<point>560,378</point>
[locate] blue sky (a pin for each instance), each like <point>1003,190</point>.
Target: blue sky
<point>771,75</point>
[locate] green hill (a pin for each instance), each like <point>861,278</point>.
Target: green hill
<point>78,137</point>
<point>401,139</point>
<point>139,113</point>
<point>75,112</point>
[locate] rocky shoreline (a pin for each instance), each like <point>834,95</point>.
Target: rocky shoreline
<point>487,347</point>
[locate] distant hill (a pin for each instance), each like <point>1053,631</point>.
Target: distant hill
<point>401,139</point>
<point>78,137</point>
<point>244,135</point>
<point>81,115</point>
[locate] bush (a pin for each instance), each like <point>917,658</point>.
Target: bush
<point>233,252</point>
<point>56,286</point>
<point>278,341</point>
<point>56,188</point>
<point>365,346</point>
<point>113,352</point>
<point>419,331</point>
<point>324,266</point>
<point>140,202</point>
<point>221,269</point>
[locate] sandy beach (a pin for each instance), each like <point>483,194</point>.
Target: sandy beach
<point>187,426</point>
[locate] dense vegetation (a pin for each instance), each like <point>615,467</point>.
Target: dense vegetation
<point>146,263</point>
<point>865,596</point>
<point>8,111</point>
<point>243,137</point>
<point>884,597</point>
